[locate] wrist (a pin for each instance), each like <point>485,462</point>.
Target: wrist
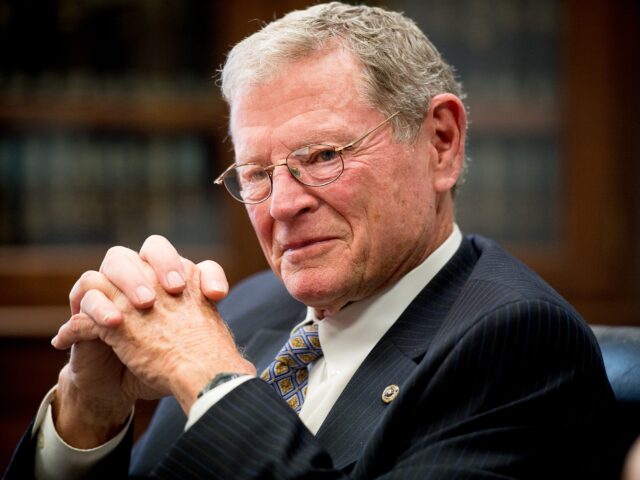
<point>219,379</point>
<point>84,421</point>
<point>189,386</point>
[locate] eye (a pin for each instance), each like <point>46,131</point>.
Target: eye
<point>249,174</point>
<point>322,155</point>
<point>258,174</point>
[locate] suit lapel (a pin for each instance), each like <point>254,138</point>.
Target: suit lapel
<point>355,414</point>
<point>359,408</point>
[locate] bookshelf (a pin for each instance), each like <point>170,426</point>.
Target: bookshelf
<point>111,128</point>
<point>94,104</point>
<point>555,172</point>
<point>170,113</point>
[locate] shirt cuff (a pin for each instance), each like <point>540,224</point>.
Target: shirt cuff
<point>55,459</point>
<point>209,399</point>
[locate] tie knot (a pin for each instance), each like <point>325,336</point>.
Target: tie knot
<point>303,346</point>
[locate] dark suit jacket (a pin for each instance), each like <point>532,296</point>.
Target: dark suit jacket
<point>499,378</point>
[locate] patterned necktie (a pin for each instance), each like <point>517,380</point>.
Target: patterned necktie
<point>288,373</point>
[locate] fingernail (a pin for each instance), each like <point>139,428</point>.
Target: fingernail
<point>217,286</point>
<point>54,340</point>
<point>175,280</point>
<point>144,294</point>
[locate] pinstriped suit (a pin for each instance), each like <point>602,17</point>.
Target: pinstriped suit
<point>498,376</point>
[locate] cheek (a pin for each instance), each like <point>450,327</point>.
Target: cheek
<point>363,212</point>
<point>262,224</point>
<point>398,209</point>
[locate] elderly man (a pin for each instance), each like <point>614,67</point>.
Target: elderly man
<point>410,351</point>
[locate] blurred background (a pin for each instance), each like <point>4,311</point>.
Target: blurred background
<point>112,128</point>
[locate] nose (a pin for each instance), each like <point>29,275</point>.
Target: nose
<point>289,197</point>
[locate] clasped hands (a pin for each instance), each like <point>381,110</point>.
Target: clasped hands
<point>142,327</point>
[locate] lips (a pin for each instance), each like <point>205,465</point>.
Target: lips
<point>291,246</point>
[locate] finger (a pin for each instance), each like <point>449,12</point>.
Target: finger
<point>158,252</point>
<point>78,328</point>
<point>213,281</point>
<point>92,280</point>
<point>101,309</point>
<point>125,269</point>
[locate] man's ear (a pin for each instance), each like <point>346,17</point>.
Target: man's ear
<point>447,124</point>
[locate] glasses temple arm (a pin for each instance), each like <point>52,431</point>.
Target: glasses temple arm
<point>219,180</point>
<point>365,135</point>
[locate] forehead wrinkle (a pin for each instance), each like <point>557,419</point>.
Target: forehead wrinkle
<point>303,129</point>
<point>291,132</point>
<point>252,151</point>
<point>333,136</point>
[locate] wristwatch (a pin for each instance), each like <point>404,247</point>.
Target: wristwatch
<point>219,379</point>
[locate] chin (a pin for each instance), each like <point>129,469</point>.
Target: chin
<point>315,287</point>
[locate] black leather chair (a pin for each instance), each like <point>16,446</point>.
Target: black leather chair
<point>621,352</point>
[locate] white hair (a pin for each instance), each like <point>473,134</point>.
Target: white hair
<point>402,70</point>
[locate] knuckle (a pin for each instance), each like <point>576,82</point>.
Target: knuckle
<point>189,268</point>
<point>214,269</point>
<point>88,301</point>
<point>153,241</point>
<point>159,252</point>
<point>187,264</point>
<point>112,254</point>
<point>84,283</point>
<point>73,293</point>
<point>157,238</point>
<point>207,264</point>
<point>83,304</point>
<point>73,298</point>
<point>75,324</point>
<point>87,277</point>
<point>115,250</point>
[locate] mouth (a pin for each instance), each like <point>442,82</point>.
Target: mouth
<point>307,244</point>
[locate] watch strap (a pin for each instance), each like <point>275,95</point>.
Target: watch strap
<point>219,379</point>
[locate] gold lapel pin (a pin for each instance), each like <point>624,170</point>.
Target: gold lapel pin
<point>390,393</point>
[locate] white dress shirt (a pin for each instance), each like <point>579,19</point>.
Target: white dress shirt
<point>346,338</point>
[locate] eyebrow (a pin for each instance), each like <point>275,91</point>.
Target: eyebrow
<point>253,160</point>
<point>315,137</point>
<point>329,136</point>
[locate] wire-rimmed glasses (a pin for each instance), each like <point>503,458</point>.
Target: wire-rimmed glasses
<point>313,165</point>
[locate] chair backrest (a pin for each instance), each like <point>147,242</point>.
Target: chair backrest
<point>621,353</point>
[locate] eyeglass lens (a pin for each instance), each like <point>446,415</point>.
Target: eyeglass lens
<point>312,165</point>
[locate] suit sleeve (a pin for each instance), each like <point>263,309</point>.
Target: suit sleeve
<point>519,393</point>
<point>115,465</point>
